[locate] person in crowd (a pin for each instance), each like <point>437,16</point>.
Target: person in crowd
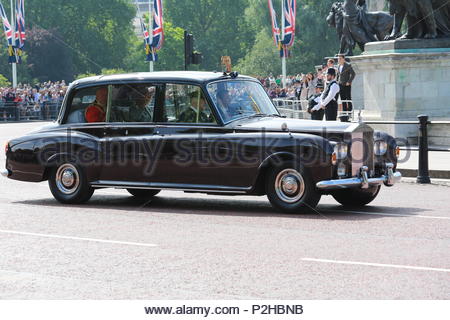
<point>305,91</point>
<point>330,95</point>
<point>298,89</point>
<point>330,65</point>
<point>346,75</point>
<point>312,82</point>
<point>315,100</point>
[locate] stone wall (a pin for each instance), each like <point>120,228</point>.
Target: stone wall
<point>400,85</point>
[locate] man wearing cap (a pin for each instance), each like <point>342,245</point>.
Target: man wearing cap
<point>346,75</point>
<point>330,95</point>
<point>314,103</point>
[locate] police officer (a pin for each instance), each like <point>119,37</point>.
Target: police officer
<point>330,95</point>
<point>314,103</point>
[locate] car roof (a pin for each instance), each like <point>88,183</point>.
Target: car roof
<point>199,77</point>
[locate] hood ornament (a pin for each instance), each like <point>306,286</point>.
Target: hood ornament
<point>284,128</point>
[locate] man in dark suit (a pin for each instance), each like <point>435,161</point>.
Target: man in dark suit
<point>346,75</point>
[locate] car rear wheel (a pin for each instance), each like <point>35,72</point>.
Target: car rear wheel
<point>68,184</point>
<point>356,197</point>
<point>143,193</point>
<point>290,189</point>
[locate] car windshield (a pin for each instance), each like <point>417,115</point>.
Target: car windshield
<point>237,99</point>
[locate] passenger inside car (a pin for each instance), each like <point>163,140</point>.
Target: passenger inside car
<point>139,111</point>
<point>133,103</point>
<point>197,111</point>
<point>96,112</point>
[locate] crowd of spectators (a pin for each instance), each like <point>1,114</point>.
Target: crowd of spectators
<point>32,101</point>
<point>299,87</point>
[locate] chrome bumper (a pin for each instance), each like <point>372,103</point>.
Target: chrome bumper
<point>4,173</point>
<point>363,181</point>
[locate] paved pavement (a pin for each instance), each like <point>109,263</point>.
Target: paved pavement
<point>189,246</point>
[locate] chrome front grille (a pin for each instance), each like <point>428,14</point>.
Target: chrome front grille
<point>362,152</point>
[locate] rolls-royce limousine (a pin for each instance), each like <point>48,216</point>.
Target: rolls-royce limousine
<point>207,132</point>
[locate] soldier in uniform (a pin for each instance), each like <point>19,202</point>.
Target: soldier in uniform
<point>96,112</point>
<point>196,112</point>
<point>330,95</point>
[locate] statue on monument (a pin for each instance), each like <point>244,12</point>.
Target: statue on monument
<point>426,19</point>
<point>355,25</point>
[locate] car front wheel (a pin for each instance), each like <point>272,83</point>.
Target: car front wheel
<point>356,197</point>
<point>290,189</point>
<point>68,184</point>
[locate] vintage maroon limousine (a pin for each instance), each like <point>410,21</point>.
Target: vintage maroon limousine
<point>202,132</point>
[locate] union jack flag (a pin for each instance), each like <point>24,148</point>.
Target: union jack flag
<point>289,15</point>
<point>158,28</point>
<point>6,25</point>
<point>151,55</point>
<point>20,24</point>
<point>275,28</point>
<point>284,43</point>
<point>12,52</point>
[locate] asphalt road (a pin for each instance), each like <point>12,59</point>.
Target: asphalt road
<point>192,246</point>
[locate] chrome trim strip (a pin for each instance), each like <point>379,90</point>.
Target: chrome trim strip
<point>168,186</point>
<point>4,173</point>
<point>359,182</point>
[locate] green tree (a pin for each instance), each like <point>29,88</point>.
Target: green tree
<point>219,27</point>
<point>4,82</point>
<point>261,58</point>
<point>170,57</point>
<point>314,38</point>
<point>97,32</point>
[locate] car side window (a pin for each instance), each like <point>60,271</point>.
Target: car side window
<point>132,103</point>
<point>88,105</point>
<point>186,104</point>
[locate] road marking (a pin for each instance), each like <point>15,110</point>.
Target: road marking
<point>377,265</point>
<point>77,238</point>
<point>389,214</point>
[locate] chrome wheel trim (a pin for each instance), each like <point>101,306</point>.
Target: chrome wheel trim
<point>67,179</point>
<point>289,186</point>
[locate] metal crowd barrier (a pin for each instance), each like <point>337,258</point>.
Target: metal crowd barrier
<point>297,109</point>
<point>12,111</point>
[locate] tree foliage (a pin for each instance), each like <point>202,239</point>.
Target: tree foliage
<point>74,37</point>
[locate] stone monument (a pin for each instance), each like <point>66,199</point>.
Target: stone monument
<point>376,5</point>
<point>410,75</point>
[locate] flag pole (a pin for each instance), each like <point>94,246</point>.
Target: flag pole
<point>13,29</point>
<point>283,59</point>
<point>150,30</point>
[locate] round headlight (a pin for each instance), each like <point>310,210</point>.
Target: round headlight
<point>380,148</point>
<point>341,151</point>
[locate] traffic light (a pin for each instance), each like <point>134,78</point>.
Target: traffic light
<point>190,56</point>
